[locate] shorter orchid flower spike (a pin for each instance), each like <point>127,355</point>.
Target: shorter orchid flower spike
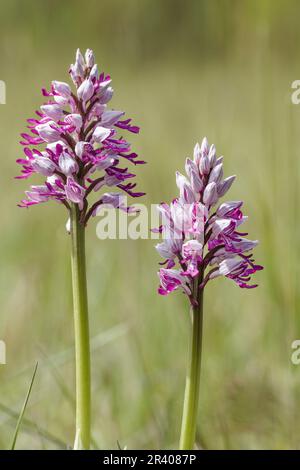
<point>74,137</point>
<point>201,237</point>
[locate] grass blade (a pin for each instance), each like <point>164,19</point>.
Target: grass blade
<point>63,387</point>
<point>19,422</point>
<point>31,427</point>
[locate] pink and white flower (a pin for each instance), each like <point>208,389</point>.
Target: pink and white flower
<point>199,236</point>
<point>79,138</point>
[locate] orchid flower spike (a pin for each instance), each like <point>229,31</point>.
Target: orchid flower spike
<point>201,237</point>
<point>201,241</point>
<point>74,142</point>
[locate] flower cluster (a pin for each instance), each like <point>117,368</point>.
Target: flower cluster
<point>202,237</point>
<point>79,138</point>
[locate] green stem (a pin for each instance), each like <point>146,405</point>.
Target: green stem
<point>192,385</point>
<point>81,326</point>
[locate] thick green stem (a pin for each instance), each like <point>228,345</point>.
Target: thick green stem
<point>81,326</point>
<point>191,396</point>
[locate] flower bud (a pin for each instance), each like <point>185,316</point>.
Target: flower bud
<point>89,58</point>
<point>197,154</point>
<point>79,58</point>
<point>212,157</point>
<point>74,192</point>
<point>109,118</point>
<point>67,164</point>
<point>53,111</point>
<point>39,193</point>
<point>227,207</point>
<point>204,165</point>
<point>43,165</point>
<point>210,195</point>
<point>79,148</point>
<point>204,147</point>
<point>106,96</point>
<point>186,193</point>
<point>97,110</point>
<point>86,90</point>
<point>62,88</point>
<point>61,100</point>
<point>100,133</point>
<point>47,132</point>
<point>193,173</point>
<point>225,185</point>
<point>216,174</point>
<point>94,73</point>
<point>74,120</point>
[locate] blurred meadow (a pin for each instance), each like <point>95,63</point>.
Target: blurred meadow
<point>182,70</point>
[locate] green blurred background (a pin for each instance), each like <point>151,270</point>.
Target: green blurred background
<point>182,70</point>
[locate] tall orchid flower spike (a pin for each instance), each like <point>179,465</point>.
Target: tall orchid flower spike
<point>202,241</point>
<point>74,143</point>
